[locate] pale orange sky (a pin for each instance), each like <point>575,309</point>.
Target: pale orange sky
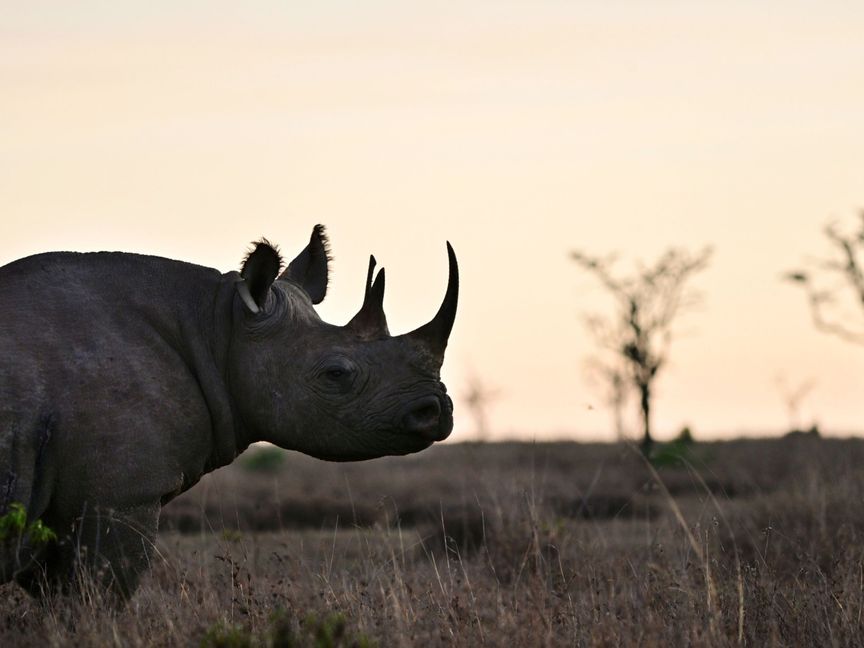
<point>518,131</point>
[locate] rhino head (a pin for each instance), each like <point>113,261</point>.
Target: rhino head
<point>340,393</point>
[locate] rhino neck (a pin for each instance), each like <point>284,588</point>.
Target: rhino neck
<point>229,435</point>
<point>199,326</point>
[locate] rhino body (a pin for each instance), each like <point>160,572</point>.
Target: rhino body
<point>125,378</point>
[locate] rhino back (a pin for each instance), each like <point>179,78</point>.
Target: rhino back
<point>98,377</point>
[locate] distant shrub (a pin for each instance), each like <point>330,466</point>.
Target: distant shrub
<point>312,632</point>
<point>676,453</point>
<point>811,433</point>
<point>685,436</point>
<point>231,535</point>
<point>263,459</point>
<point>285,631</point>
<point>222,635</point>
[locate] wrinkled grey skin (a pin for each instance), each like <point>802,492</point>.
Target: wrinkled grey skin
<point>125,378</point>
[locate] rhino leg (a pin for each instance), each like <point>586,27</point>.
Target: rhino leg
<point>24,482</point>
<point>107,548</point>
<point>15,553</point>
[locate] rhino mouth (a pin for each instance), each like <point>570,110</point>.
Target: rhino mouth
<point>423,421</point>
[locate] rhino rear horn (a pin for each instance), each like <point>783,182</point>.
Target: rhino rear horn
<point>309,269</point>
<point>434,334</point>
<point>370,320</point>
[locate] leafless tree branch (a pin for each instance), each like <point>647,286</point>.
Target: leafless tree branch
<point>846,268</point>
<point>647,304</point>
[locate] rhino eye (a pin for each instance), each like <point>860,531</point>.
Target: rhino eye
<point>336,375</point>
<point>337,372</point>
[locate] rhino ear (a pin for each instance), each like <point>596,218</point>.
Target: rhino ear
<point>260,268</point>
<point>309,269</point>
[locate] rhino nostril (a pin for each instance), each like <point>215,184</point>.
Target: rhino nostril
<point>424,416</point>
<point>426,413</point>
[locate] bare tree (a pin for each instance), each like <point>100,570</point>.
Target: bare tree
<point>616,386</point>
<point>478,397</point>
<point>793,396</point>
<point>640,331</point>
<point>835,284</point>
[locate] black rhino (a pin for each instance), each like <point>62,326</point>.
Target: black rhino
<point>125,378</point>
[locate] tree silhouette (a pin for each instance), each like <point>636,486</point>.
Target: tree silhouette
<point>613,376</point>
<point>793,395</point>
<point>478,397</point>
<point>835,284</point>
<point>646,304</point>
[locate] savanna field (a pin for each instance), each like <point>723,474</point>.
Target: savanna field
<point>756,543</point>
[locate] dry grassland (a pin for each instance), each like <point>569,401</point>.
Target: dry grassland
<point>756,543</point>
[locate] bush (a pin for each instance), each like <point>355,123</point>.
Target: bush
<point>263,459</point>
<point>285,631</point>
<point>227,636</point>
<point>14,525</point>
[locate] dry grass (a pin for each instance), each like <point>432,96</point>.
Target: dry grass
<point>753,543</point>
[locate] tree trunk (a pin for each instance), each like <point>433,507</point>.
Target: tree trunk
<point>645,406</point>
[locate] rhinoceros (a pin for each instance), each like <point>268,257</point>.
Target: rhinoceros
<point>124,378</point>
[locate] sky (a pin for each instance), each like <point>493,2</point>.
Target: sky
<point>518,131</point>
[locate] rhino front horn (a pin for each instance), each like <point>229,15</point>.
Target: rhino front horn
<point>434,335</point>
